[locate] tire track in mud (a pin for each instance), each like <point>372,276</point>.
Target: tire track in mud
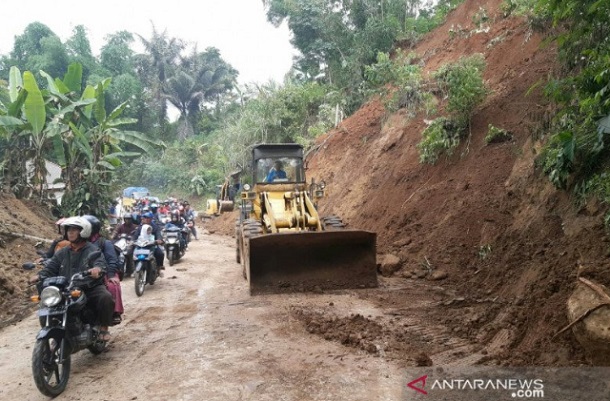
<point>197,334</point>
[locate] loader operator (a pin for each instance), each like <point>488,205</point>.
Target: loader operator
<point>276,172</point>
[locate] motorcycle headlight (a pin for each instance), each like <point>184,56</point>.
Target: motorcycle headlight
<point>246,187</point>
<point>50,296</point>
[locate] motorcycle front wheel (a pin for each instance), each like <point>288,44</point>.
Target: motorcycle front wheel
<point>50,373</point>
<point>170,257</point>
<point>140,281</point>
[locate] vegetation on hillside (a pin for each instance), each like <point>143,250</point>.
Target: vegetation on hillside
<point>348,53</point>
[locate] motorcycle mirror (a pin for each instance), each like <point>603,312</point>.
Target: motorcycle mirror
<point>40,252</point>
<point>92,258</point>
<point>28,266</point>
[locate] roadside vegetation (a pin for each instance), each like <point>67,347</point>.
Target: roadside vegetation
<point>111,112</point>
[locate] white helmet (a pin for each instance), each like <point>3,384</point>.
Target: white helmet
<point>81,222</point>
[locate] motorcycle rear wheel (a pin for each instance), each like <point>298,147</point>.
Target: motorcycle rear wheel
<point>140,281</point>
<point>50,376</point>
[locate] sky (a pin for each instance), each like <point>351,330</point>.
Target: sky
<point>239,28</point>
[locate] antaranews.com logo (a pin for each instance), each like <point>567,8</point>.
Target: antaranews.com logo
<point>518,388</point>
<point>484,383</point>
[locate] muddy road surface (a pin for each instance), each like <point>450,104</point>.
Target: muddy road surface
<point>198,335</point>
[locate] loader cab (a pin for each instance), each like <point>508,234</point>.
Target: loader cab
<point>271,157</point>
<point>292,169</point>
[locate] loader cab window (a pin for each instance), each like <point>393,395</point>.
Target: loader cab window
<point>279,170</point>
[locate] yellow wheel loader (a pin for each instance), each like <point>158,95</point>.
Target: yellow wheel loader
<point>283,244</point>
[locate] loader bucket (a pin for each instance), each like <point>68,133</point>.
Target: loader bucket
<point>311,261</point>
<point>226,206</point>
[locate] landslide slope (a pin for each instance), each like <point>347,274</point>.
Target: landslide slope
<point>510,242</point>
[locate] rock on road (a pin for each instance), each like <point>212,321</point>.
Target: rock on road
<point>198,335</point>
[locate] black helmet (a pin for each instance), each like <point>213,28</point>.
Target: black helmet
<point>96,225</point>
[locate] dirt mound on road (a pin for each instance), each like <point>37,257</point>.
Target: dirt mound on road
<point>19,217</point>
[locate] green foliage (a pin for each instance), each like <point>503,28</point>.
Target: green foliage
<point>441,137</point>
<point>338,40</point>
<point>400,83</point>
<point>74,130</point>
<point>462,83</point>
<point>428,18</point>
<point>496,135</point>
<point>577,148</point>
<point>517,7</point>
<point>186,168</point>
<point>598,185</point>
<point>480,18</point>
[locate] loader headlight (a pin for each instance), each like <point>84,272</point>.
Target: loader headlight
<point>246,187</point>
<point>50,296</point>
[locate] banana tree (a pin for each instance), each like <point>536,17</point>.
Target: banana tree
<point>90,144</point>
<point>21,123</point>
<point>72,127</point>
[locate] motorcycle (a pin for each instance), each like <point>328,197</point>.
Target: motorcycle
<point>69,325</point>
<point>146,271</point>
<point>175,245</point>
<point>190,224</point>
<point>126,266</point>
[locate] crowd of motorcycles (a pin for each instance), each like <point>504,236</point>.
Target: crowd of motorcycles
<point>137,258</point>
<point>69,324</point>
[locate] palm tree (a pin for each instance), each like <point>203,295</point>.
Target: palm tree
<point>202,77</point>
<point>163,51</point>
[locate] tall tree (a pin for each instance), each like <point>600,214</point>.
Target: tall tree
<point>163,52</point>
<point>39,48</point>
<point>79,50</point>
<point>201,78</point>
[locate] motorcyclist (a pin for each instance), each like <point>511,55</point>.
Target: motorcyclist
<point>154,209</point>
<point>178,221</point>
<point>189,216</point>
<point>57,243</point>
<point>128,228</point>
<point>156,231</point>
<point>71,259</point>
<point>112,281</point>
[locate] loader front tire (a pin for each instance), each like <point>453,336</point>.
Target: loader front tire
<point>332,223</point>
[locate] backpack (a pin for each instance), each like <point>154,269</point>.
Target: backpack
<point>101,243</point>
